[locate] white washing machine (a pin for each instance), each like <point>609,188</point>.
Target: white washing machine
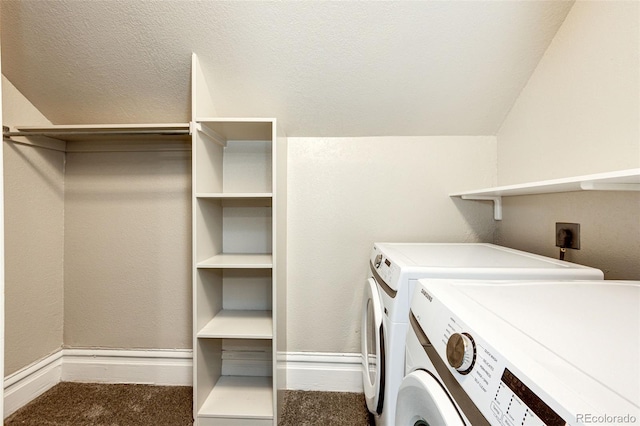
<point>396,267</point>
<point>522,353</point>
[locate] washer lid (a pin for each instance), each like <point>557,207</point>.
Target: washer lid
<point>470,255</point>
<point>479,260</point>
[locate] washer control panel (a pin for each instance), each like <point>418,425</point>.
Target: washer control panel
<point>495,386</point>
<point>514,403</point>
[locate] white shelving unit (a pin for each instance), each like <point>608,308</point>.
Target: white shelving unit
<point>623,180</point>
<point>238,268</point>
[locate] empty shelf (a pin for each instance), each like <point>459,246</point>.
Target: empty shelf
<point>238,261</point>
<point>234,195</point>
<point>623,180</point>
<point>232,324</point>
<point>240,397</point>
<point>239,199</point>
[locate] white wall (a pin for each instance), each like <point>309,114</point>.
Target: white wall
<point>347,193</point>
<point>34,232</point>
<point>128,249</point>
<point>580,111</point>
<point>579,114</point>
<point>609,228</point>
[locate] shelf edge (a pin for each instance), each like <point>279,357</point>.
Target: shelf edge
<point>571,184</point>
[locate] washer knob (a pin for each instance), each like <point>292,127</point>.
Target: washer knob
<point>461,352</point>
<point>378,261</point>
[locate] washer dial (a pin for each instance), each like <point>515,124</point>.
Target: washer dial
<point>461,352</point>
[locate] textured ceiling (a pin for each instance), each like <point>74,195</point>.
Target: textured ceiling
<point>322,68</point>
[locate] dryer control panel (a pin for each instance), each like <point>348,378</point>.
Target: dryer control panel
<point>385,269</point>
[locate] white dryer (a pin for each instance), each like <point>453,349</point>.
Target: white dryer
<point>396,267</point>
<point>522,353</point>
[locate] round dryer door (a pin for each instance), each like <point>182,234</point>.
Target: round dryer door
<point>423,402</point>
<point>372,343</point>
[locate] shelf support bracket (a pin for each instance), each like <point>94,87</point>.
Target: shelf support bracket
<point>497,203</point>
<point>213,135</point>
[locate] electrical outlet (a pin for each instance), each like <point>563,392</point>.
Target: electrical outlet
<point>568,235</point>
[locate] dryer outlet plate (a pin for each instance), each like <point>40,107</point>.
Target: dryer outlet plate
<point>568,235</point>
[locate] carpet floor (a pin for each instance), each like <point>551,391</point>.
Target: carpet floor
<point>90,404</point>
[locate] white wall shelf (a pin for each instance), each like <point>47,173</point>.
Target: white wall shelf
<point>623,180</point>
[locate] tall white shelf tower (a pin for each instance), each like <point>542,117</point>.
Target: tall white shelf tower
<point>239,264</point>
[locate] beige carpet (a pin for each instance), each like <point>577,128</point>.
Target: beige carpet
<point>324,408</point>
<point>82,404</point>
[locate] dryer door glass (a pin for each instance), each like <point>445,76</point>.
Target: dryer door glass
<point>422,401</point>
<point>372,339</point>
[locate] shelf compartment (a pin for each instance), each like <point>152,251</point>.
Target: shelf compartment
<point>225,164</point>
<point>242,226</point>
<point>227,128</point>
<point>220,289</point>
<point>242,398</point>
<point>225,366</point>
<point>238,324</point>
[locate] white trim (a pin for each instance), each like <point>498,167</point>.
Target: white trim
<point>158,367</point>
<point>322,371</point>
<point>313,371</point>
<point>25,385</point>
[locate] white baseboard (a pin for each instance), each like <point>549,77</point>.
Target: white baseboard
<point>22,387</point>
<point>312,371</point>
<point>157,367</point>
<point>321,371</point>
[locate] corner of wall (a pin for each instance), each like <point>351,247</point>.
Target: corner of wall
<point>33,200</point>
<point>578,112</point>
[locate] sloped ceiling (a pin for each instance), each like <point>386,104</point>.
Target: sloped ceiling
<point>322,68</point>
